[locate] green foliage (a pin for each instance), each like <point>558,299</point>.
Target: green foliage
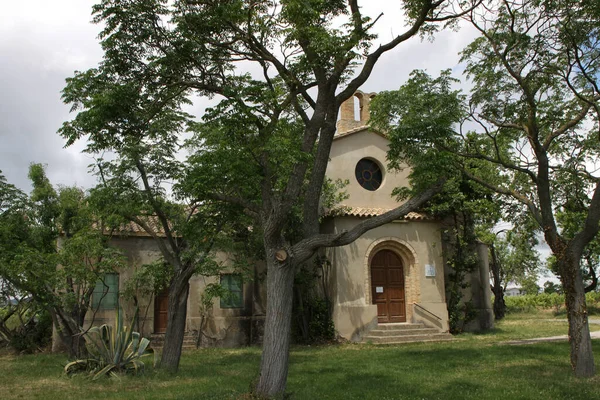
<point>53,250</point>
<point>148,279</point>
<point>462,260</point>
<point>429,115</point>
<point>312,313</point>
<point>552,287</point>
<point>554,301</point>
<point>531,302</point>
<point>33,335</point>
<point>321,325</point>
<point>520,261</point>
<point>112,351</point>
<point>11,197</point>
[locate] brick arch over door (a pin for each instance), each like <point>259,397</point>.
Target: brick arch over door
<point>408,257</point>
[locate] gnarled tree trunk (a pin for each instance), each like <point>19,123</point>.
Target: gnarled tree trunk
<point>176,316</point>
<point>276,340</point>
<point>497,289</point>
<point>69,333</point>
<point>582,358</point>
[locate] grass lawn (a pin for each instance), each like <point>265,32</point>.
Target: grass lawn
<point>474,367</point>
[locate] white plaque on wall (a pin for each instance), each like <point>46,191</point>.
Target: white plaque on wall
<point>429,270</point>
<point>379,289</point>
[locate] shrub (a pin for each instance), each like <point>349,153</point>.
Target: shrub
<point>554,301</point>
<point>532,302</point>
<point>112,351</point>
<point>30,333</point>
<point>311,314</point>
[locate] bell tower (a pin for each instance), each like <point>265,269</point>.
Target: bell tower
<point>354,112</point>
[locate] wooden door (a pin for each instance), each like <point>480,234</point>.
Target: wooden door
<point>161,306</point>
<point>387,287</point>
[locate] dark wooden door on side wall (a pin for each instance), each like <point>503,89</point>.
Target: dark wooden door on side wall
<point>161,306</point>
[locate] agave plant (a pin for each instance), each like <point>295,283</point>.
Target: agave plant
<point>112,350</point>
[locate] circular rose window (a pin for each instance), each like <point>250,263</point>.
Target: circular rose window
<point>368,174</point>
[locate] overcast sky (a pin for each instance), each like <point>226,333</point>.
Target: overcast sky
<point>43,42</point>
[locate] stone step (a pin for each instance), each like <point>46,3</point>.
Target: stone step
<point>403,332</point>
<point>157,340</point>
<point>183,347</point>
<point>437,337</point>
<point>398,343</point>
<point>162,340</point>
<point>399,325</point>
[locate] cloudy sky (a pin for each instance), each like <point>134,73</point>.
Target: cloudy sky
<point>43,42</point>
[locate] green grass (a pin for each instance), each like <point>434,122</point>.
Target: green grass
<point>475,367</point>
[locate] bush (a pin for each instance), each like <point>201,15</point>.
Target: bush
<point>112,351</point>
<point>321,324</point>
<point>34,335</point>
<point>311,314</point>
<point>532,302</point>
<point>555,301</point>
<point>592,298</point>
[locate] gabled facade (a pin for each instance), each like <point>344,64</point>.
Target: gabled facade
<point>393,273</point>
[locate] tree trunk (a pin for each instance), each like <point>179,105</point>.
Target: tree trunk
<point>69,335</point>
<point>276,342</point>
<point>499,304</point>
<point>582,358</point>
<point>176,316</point>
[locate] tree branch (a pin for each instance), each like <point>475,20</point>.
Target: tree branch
<point>516,195</point>
<point>307,247</point>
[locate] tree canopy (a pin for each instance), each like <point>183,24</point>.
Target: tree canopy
<point>54,250</point>
<point>532,115</point>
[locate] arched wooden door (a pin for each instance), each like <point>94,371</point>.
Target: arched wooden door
<point>161,306</point>
<point>387,287</point>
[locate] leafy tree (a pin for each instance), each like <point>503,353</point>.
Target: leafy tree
<point>552,287</point>
<point>124,114</point>
<point>570,218</point>
<point>53,250</point>
<point>305,55</point>
<point>533,113</point>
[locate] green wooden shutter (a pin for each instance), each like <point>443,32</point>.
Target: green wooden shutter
<point>234,285</point>
<point>106,293</point>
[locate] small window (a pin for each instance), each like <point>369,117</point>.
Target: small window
<point>106,293</point>
<point>233,284</point>
<point>368,174</point>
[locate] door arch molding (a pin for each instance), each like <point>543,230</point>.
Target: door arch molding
<point>408,256</point>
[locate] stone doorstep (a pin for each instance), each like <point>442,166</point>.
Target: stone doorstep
<point>157,340</point>
<point>399,333</point>
<point>403,342</point>
<point>407,338</point>
<point>400,325</point>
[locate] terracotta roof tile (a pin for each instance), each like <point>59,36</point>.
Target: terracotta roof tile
<point>133,229</point>
<point>373,212</point>
<point>357,130</point>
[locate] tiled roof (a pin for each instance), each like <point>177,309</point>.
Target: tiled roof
<point>133,229</point>
<point>357,130</point>
<point>373,212</point>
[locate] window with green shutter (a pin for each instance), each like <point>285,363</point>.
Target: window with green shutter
<point>233,284</point>
<point>106,293</point>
